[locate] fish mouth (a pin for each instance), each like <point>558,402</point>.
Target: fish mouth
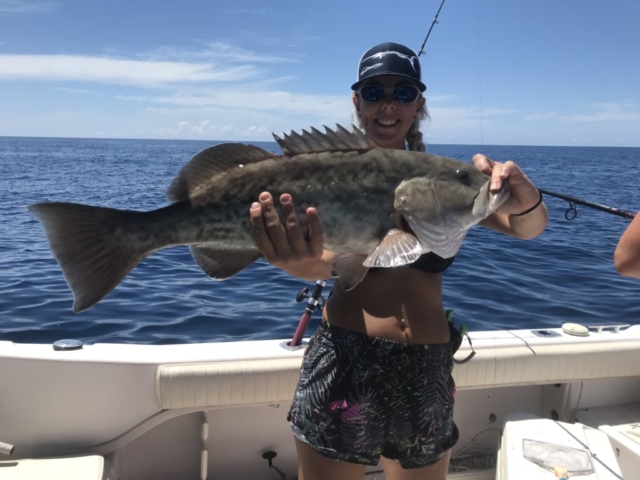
<point>487,202</point>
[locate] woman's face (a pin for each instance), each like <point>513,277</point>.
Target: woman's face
<point>387,121</point>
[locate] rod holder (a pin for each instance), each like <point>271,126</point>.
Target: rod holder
<point>269,456</point>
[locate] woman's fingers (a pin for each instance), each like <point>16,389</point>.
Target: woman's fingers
<point>259,230</point>
<point>281,241</point>
<point>274,226</point>
<point>498,175</point>
<point>483,163</point>
<point>499,172</point>
<point>316,242</point>
<point>295,236</point>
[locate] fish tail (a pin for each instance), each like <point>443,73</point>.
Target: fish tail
<point>92,258</point>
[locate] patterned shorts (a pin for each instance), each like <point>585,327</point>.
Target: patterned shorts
<point>360,397</point>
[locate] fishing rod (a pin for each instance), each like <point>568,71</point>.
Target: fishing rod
<point>435,20</point>
<point>572,211</point>
<point>313,300</point>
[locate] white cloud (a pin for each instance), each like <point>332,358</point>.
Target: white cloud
<point>115,70</point>
<point>541,116</point>
<point>76,91</point>
<point>24,6</point>
<point>252,100</point>
<point>247,11</point>
<point>207,130</point>
<point>439,98</point>
<point>258,131</point>
<point>608,112</point>
<point>458,117</point>
<point>216,51</point>
<point>604,112</point>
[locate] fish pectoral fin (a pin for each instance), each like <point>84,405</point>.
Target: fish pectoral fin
<point>350,269</point>
<point>434,239</point>
<point>452,245</point>
<point>397,248</point>
<point>222,264</point>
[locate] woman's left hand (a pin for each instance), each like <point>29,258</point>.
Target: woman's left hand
<point>524,194</point>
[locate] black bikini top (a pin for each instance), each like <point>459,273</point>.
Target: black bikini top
<point>432,263</point>
<point>428,262</point>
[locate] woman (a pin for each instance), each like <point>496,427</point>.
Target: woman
<point>626,257</point>
<point>376,379</point>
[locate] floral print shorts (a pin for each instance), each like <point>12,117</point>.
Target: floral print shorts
<point>360,397</point>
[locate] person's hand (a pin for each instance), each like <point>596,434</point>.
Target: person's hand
<point>282,242</point>
<point>524,195</point>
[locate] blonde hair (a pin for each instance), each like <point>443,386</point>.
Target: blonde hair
<point>414,135</point>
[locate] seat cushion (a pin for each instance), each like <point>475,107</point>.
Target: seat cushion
<point>88,467</point>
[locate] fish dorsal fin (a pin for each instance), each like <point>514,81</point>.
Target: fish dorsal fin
<point>209,163</point>
<point>397,248</point>
<point>330,141</point>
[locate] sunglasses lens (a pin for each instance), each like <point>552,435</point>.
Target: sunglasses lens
<point>401,94</point>
<point>372,93</point>
<point>405,94</point>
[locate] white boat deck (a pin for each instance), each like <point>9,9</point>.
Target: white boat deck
<point>142,408</point>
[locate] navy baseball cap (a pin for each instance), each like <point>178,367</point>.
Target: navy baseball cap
<point>389,59</point>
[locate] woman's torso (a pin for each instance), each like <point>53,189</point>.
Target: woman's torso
<point>402,304</point>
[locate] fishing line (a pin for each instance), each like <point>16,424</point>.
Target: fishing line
<point>572,211</point>
<point>480,30</point>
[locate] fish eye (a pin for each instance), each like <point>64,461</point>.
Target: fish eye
<point>463,176</point>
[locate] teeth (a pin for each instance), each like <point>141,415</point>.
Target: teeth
<point>387,122</point>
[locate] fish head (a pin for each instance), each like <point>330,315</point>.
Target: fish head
<point>443,204</point>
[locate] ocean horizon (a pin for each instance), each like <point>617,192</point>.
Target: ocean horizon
<point>215,142</point>
<point>496,282</point>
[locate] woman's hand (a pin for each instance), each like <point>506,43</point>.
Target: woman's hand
<point>524,195</point>
<point>283,243</point>
<point>523,215</point>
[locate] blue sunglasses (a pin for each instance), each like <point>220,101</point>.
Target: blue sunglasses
<point>400,93</point>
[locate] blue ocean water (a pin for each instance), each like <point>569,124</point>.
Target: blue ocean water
<point>496,282</point>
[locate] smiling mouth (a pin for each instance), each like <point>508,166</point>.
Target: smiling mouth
<point>387,123</point>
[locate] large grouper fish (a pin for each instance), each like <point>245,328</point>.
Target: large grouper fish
<point>378,207</point>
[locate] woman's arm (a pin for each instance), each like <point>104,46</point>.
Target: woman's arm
<point>525,227</point>
<point>282,243</point>
<point>627,255</point>
<point>523,215</point>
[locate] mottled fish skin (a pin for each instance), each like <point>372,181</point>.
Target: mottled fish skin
<point>353,192</point>
<point>357,188</point>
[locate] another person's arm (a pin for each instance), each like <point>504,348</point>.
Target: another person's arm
<point>282,243</point>
<point>523,215</point>
<point>627,255</point>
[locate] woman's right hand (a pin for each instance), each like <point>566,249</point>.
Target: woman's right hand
<point>282,242</point>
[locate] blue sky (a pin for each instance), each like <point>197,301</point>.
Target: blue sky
<point>544,72</point>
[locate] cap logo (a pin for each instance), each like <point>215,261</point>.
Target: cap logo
<point>366,69</point>
<point>378,55</point>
